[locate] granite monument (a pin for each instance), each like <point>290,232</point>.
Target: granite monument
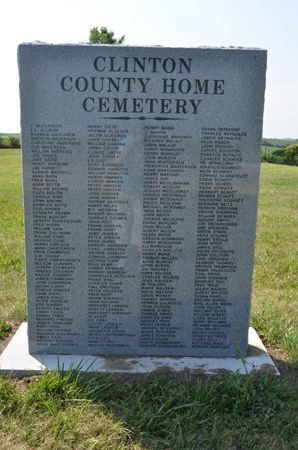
<point>141,173</point>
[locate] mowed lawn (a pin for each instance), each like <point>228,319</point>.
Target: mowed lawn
<point>275,286</point>
<point>12,261</point>
<point>162,411</point>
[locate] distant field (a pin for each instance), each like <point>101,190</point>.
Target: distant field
<point>266,142</point>
<point>268,150</point>
<point>12,266</point>
<point>270,145</point>
<point>275,287</point>
<point>278,143</point>
<point>6,135</point>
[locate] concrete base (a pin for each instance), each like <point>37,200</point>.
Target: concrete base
<point>16,361</point>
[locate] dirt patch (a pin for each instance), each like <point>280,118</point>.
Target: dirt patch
<point>4,342</point>
<point>285,368</point>
<point>21,384</point>
<point>112,363</point>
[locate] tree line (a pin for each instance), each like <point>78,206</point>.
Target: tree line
<point>10,141</point>
<point>288,155</point>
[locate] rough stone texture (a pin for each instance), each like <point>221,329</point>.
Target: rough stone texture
<point>141,169</point>
<point>16,361</point>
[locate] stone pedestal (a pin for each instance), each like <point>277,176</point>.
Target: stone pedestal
<point>16,361</point>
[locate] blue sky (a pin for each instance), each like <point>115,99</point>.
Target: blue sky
<point>268,24</point>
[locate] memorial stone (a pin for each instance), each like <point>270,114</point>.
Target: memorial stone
<point>141,173</point>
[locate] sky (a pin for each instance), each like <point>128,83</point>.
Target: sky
<point>268,24</point>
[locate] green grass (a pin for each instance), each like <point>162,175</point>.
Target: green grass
<point>12,266</point>
<point>5,329</point>
<point>156,412</point>
<point>161,412</point>
<point>274,312</point>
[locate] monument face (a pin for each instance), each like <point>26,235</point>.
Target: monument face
<point>141,169</point>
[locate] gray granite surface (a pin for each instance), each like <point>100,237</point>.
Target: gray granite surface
<point>141,173</point>
<point>16,361</point>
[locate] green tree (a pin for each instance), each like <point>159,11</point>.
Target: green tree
<point>4,142</point>
<point>104,36</point>
<point>14,142</point>
<point>291,153</point>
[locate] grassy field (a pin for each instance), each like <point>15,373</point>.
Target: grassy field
<point>275,287</point>
<point>268,150</point>
<point>12,264</point>
<point>159,412</point>
<point>6,135</point>
<point>280,143</point>
<point>162,411</point>
<point>270,145</point>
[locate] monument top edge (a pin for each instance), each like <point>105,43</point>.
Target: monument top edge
<point>86,44</point>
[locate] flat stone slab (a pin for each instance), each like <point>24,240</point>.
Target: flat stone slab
<point>16,361</point>
<point>141,169</point>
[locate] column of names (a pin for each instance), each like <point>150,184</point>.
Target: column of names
<point>218,208</point>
